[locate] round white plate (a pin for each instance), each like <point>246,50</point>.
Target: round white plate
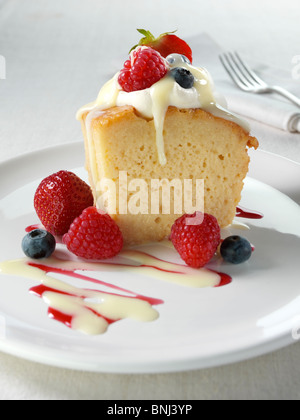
<point>257,313</point>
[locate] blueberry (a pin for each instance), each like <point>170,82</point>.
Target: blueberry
<point>183,77</point>
<point>177,60</point>
<point>38,244</point>
<point>236,249</point>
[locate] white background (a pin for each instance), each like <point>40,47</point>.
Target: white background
<point>58,53</point>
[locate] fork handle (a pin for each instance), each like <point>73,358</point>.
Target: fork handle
<point>286,94</point>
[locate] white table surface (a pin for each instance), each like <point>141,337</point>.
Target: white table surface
<point>52,51</point>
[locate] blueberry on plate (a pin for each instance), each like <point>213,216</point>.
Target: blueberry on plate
<point>183,77</point>
<point>38,244</point>
<point>236,250</point>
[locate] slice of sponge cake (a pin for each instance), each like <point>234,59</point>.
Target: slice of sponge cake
<point>198,146</point>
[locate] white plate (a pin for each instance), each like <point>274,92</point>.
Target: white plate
<point>197,328</point>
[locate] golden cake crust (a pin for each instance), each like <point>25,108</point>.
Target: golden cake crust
<point>198,145</point>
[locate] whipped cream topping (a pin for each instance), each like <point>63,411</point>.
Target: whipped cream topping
<point>153,103</point>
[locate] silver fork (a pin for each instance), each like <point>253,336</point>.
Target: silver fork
<point>247,80</point>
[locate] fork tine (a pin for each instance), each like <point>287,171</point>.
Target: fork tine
<point>240,71</point>
<point>227,65</point>
<point>233,71</point>
<point>248,71</point>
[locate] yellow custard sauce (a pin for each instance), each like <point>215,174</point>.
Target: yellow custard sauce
<point>153,103</point>
<point>91,311</point>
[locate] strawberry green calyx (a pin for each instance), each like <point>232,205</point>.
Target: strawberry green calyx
<point>166,44</point>
<point>150,38</point>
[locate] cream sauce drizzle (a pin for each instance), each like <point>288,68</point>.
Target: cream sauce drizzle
<point>83,305</point>
<point>154,102</point>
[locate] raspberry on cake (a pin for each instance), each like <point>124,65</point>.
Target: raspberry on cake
<point>172,129</point>
<point>145,68</point>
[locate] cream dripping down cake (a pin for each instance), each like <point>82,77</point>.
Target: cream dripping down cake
<point>160,119</point>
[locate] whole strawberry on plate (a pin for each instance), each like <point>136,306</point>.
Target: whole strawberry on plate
<point>59,199</point>
<point>166,44</point>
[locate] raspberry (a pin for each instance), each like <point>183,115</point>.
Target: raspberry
<point>196,244</point>
<point>59,199</point>
<point>145,67</point>
<point>94,236</point>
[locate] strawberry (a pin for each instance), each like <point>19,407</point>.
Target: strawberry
<point>59,199</point>
<point>166,44</point>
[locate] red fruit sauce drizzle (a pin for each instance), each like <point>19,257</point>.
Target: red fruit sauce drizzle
<point>248,214</point>
<point>225,280</point>
<point>33,227</point>
<point>66,319</point>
